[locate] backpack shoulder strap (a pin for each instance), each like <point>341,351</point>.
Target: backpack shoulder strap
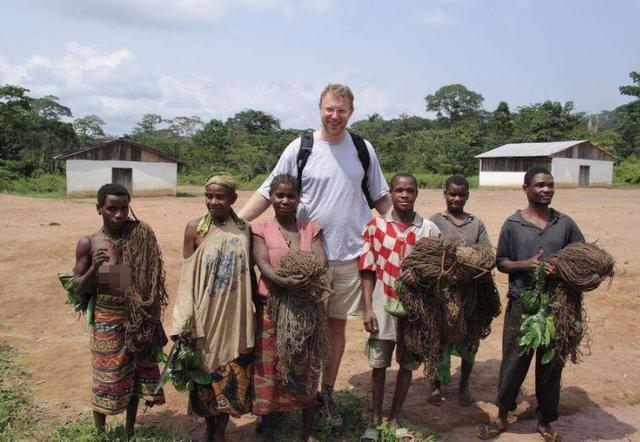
<point>365,160</point>
<point>306,146</point>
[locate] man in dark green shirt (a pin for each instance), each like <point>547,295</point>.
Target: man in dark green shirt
<point>465,230</point>
<point>526,238</point>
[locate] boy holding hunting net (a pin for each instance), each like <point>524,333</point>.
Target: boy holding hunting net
<point>119,280</point>
<point>528,239</point>
<point>387,241</point>
<point>214,317</point>
<point>465,230</point>
<point>291,339</point>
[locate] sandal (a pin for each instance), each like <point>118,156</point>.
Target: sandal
<point>549,436</point>
<point>370,435</point>
<point>403,435</point>
<point>491,431</point>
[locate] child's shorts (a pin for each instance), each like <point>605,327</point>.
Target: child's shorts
<point>380,351</point>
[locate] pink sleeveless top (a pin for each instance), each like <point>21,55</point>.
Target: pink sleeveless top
<point>276,245</point>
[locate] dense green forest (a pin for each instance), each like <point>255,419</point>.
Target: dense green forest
<point>34,130</point>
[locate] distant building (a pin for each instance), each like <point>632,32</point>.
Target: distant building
<point>141,169</point>
<point>573,164</point>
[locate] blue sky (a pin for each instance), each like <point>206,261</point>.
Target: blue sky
<point>120,59</point>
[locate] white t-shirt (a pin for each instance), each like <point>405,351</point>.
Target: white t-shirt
<point>332,192</point>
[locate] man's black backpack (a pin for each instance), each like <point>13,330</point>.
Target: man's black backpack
<point>306,145</point>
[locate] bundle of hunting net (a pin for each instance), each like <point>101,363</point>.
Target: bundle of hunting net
<point>454,300</point>
<point>580,268</point>
<point>147,296</point>
<point>299,316</point>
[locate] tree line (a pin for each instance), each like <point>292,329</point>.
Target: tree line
<point>34,130</point>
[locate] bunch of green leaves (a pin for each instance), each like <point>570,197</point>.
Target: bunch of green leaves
<point>386,433</point>
<point>185,368</point>
<point>537,324</point>
<point>81,304</point>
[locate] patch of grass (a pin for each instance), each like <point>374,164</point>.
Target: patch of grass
<point>16,400</point>
<point>355,411</point>
<point>627,173</point>
<point>83,430</point>
<point>46,184</point>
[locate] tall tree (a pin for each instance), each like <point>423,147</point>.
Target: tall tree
<point>500,126</point>
<point>633,89</point>
<point>15,120</point>
<point>185,127</point>
<point>148,124</point>
<point>48,107</point>
<point>628,118</point>
<point>255,122</point>
<point>547,121</point>
<point>213,135</point>
<point>454,102</point>
<point>89,129</point>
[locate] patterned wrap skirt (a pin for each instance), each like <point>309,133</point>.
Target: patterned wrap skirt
<point>116,377</point>
<point>272,393</point>
<point>228,392</point>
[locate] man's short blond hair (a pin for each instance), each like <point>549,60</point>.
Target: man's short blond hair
<point>337,90</point>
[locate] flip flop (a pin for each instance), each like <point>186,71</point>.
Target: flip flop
<point>403,435</point>
<point>548,436</point>
<point>491,431</point>
<point>370,435</point>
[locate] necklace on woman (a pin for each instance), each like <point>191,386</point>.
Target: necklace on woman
<point>287,239</point>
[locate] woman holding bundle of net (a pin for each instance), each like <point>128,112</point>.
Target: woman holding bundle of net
<point>279,384</point>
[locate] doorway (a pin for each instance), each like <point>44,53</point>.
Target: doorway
<point>583,178</point>
<point>123,176</point>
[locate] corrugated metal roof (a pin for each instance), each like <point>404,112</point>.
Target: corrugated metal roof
<point>529,149</point>
<point>69,156</point>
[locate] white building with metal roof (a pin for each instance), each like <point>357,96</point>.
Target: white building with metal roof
<point>141,169</point>
<point>577,163</point>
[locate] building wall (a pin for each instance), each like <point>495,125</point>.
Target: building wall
<point>566,171</point>
<point>84,177</point>
<point>501,179</point>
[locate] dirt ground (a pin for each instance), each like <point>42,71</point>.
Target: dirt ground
<point>599,399</point>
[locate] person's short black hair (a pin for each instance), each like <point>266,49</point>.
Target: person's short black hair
<point>457,180</point>
<point>112,189</point>
<point>286,179</point>
<point>403,175</point>
<point>533,171</point>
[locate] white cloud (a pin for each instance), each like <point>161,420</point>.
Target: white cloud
<point>437,17</point>
<point>179,13</point>
<point>115,86</point>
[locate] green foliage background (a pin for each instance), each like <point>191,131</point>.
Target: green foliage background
<point>34,130</point>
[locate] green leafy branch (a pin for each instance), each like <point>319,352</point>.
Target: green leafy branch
<point>537,324</point>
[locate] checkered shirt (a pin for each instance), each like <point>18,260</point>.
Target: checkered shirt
<point>386,245</point>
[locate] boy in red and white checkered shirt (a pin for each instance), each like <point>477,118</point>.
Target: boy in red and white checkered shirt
<point>387,242</point>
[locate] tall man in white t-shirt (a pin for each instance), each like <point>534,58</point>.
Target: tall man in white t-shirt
<point>332,197</point>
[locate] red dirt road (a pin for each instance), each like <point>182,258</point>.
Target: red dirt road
<point>599,398</point>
